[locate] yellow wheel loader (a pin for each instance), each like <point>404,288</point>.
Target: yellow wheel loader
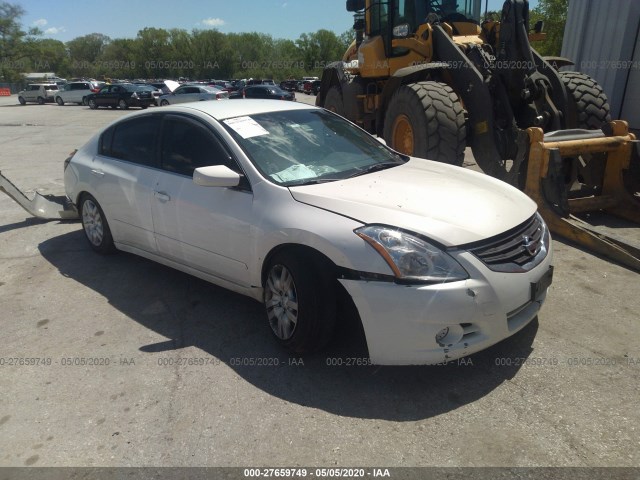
<point>431,79</point>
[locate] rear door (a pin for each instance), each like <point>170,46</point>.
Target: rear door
<point>205,228</point>
<point>125,174</point>
<point>103,97</point>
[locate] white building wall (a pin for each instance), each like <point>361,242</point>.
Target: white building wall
<point>602,38</point>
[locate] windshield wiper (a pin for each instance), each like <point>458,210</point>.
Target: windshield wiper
<point>376,167</point>
<point>313,181</point>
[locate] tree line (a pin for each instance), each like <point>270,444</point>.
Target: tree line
<point>199,54</point>
<point>160,53</point>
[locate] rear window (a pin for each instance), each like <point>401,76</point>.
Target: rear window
<point>132,140</point>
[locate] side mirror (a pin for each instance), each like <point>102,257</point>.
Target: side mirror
<point>355,5</point>
<point>401,31</point>
<point>216,176</point>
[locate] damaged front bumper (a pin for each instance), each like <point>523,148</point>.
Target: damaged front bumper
<point>47,207</point>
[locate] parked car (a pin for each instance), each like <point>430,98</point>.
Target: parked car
<point>39,93</point>
<point>223,85</point>
<point>166,86</point>
<point>306,86</point>
<point>267,91</point>
<point>257,81</point>
<point>76,92</point>
<point>315,87</point>
<point>156,92</point>
<point>193,93</point>
<point>288,85</point>
<point>121,95</point>
<point>290,205</point>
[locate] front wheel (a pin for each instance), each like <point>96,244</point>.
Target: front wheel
<point>40,101</point>
<point>59,101</point>
<point>164,103</point>
<point>300,301</point>
<point>22,101</point>
<point>426,120</point>
<point>122,105</point>
<point>84,101</point>
<point>92,104</point>
<point>95,225</point>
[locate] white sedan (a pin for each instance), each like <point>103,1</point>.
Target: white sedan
<point>290,204</point>
<point>192,93</point>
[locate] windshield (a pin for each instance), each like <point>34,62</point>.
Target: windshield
<point>308,146</point>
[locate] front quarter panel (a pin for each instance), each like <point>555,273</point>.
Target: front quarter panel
<point>284,221</point>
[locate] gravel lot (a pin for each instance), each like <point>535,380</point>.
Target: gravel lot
<point>115,340</point>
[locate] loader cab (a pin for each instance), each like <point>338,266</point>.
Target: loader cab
<point>397,19</point>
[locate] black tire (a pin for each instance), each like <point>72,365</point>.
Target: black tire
<point>59,101</point>
<point>592,113</point>
<point>435,116</point>
<point>95,226</point>
<point>92,104</point>
<point>143,107</point>
<point>592,104</point>
<point>22,101</point>
<point>122,104</point>
<point>164,103</point>
<point>308,294</point>
<point>84,102</point>
<point>333,101</point>
<point>40,101</point>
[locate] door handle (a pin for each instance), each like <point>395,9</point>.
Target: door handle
<point>97,173</point>
<point>162,196</point>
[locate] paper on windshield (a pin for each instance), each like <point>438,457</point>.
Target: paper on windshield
<point>294,172</point>
<point>246,127</point>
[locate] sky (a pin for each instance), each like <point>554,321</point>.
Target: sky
<point>67,19</point>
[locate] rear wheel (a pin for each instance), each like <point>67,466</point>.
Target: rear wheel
<point>164,103</point>
<point>426,120</point>
<point>92,104</point>
<point>300,301</point>
<point>22,101</point>
<point>95,225</point>
<point>122,104</point>
<point>591,102</point>
<point>40,101</point>
<point>333,101</point>
<point>59,101</point>
<point>84,101</point>
<point>593,112</point>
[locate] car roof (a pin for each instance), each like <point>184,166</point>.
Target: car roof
<point>237,108</point>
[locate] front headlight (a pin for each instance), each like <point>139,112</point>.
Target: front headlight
<point>412,259</point>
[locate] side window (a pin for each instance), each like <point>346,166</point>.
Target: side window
<point>104,147</point>
<point>187,145</point>
<point>135,140</point>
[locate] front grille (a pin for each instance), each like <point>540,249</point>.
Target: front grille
<point>518,249</point>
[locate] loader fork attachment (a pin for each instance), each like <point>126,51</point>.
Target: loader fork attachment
<point>545,184</point>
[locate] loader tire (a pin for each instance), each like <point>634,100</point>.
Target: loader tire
<point>591,102</point>
<point>333,101</point>
<point>426,120</point>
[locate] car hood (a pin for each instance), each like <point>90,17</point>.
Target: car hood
<point>451,205</point>
<point>171,85</point>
